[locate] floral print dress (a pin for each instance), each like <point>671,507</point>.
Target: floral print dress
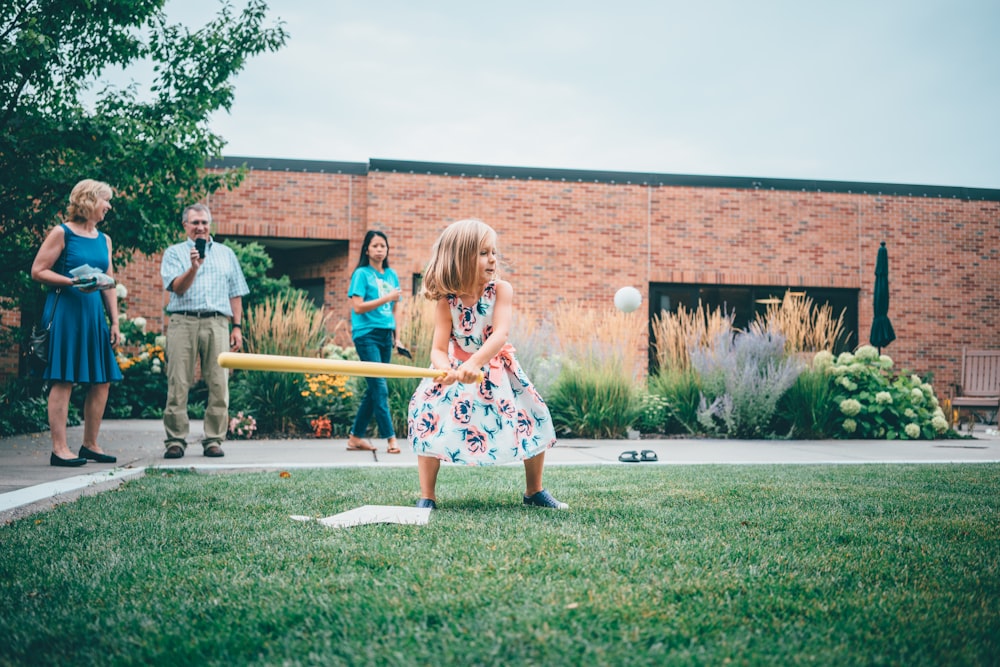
<point>499,420</point>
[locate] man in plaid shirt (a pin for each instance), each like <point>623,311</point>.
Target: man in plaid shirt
<point>206,286</point>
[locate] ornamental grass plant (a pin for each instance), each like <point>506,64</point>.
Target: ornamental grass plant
<point>601,338</point>
<point>598,390</point>
<point>801,390</point>
<point>806,411</point>
<point>286,325</point>
<point>805,326</point>
<point>676,334</point>
<point>537,351</point>
<point>658,565</point>
<point>593,402</point>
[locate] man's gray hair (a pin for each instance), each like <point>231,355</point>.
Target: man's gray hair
<point>196,207</point>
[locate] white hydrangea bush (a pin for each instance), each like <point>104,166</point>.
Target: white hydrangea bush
<point>871,402</point>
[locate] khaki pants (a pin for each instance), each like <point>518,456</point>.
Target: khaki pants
<point>191,340</point>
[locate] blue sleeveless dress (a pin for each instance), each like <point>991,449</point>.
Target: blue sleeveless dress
<point>79,339</point>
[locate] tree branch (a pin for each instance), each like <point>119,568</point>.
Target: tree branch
<point>16,21</point>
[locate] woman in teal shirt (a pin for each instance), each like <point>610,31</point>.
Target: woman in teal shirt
<point>374,292</point>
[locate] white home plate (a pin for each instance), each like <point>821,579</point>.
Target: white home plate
<point>365,514</point>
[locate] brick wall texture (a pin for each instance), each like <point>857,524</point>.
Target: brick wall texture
<point>576,240</point>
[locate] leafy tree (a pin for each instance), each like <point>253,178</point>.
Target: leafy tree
<point>60,124</point>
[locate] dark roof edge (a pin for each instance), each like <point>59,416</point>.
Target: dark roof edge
<point>626,177</point>
<point>279,164</point>
<point>688,180</point>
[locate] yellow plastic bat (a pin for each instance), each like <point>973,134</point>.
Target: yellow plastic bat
<point>280,364</point>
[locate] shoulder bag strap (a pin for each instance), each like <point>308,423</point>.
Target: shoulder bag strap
<point>62,259</point>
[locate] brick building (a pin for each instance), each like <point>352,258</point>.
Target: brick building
<point>570,235</point>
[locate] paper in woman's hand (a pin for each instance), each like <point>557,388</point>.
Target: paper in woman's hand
<point>87,276</point>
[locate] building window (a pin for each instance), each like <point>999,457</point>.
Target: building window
<point>315,289</point>
<point>747,301</point>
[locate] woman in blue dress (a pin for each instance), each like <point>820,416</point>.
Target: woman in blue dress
<point>81,342</point>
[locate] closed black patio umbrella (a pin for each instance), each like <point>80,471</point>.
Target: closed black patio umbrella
<point>882,333</point>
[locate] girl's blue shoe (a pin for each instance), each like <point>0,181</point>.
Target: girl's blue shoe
<point>544,499</point>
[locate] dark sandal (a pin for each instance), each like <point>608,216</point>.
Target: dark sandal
<point>649,455</point>
<point>630,456</point>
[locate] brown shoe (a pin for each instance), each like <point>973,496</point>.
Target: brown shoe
<point>174,452</point>
<point>214,451</point>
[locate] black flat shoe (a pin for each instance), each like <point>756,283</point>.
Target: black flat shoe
<point>65,463</point>
<point>87,453</point>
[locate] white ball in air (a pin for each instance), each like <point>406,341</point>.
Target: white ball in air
<point>627,299</point>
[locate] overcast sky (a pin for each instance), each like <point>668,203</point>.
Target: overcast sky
<point>897,91</point>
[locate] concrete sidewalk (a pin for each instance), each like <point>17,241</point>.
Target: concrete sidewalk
<point>29,484</point>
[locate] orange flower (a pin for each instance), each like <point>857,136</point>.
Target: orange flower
<point>321,427</point>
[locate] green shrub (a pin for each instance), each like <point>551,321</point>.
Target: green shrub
<point>24,407</point>
<point>142,392</point>
<point>653,414</point>
<point>870,402</point>
<point>22,412</point>
<point>681,390</point>
<point>273,399</point>
<point>593,402</point>
<point>28,415</point>
<point>196,409</point>
<point>804,411</point>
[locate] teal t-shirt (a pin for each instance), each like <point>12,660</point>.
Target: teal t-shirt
<point>369,284</point>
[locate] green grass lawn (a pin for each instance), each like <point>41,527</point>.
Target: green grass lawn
<point>853,564</point>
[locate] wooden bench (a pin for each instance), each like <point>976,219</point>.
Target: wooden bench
<point>980,388</point>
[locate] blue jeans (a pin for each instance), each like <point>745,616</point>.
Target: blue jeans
<point>376,345</point>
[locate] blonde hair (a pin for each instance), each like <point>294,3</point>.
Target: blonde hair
<point>454,265</point>
<point>84,197</point>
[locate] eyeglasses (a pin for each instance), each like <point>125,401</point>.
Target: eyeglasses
<point>195,223</point>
